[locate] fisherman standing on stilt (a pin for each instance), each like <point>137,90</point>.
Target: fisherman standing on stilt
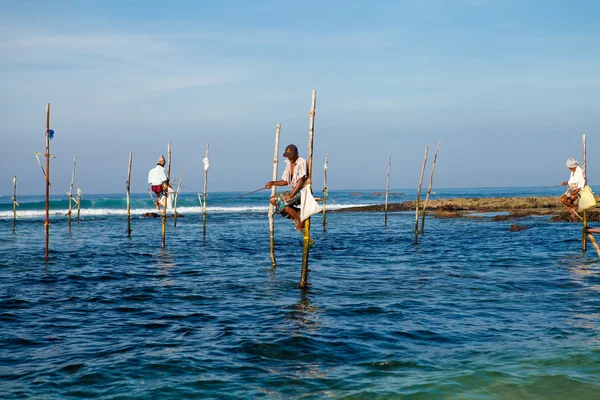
<point>287,203</point>
<point>158,179</point>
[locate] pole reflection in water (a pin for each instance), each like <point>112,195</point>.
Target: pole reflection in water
<point>164,265</point>
<point>305,325</point>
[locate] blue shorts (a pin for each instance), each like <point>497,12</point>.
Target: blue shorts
<point>282,203</point>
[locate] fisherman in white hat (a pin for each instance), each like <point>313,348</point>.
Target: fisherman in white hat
<point>286,203</point>
<point>158,179</point>
<point>576,182</point>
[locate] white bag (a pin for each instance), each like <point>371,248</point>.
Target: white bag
<point>308,204</point>
<point>170,198</point>
<point>586,198</point>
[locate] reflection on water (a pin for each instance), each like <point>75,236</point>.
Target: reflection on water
<point>585,317</point>
<point>304,324</point>
<point>165,262</point>
<point>304,316</point>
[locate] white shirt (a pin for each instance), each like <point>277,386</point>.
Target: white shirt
<point>157,175</point>
<point>299,172</point>
<point>576,180</point>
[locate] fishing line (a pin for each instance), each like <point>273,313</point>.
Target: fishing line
<point>189,188</point>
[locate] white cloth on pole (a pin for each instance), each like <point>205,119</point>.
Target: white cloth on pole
<point>206,163</point>
<point>308,204</point>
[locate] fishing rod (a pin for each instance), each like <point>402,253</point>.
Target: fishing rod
<point>187,166</point>
<point>237,197</point>
<point>548,187</point>
<point>222,201</point>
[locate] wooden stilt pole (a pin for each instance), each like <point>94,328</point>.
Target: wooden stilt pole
<point>203,216</point>
<point>78,204</point>
<point>169,160</point>
<point>47,222</point>
<point>206,168</point>
<point>584,233</point>
<point>429,189</point>
<point>15,203</point>
<point>164,222</point>
<point>419,196</point>
<point>325,167</point>
<point>387,189</point>
<point>594,243</point>
<point>175,204</point>
<point>165,198</point>
<point>70,194</point>
<point>128,186</point>
<point>306,247</point>
<point>271,206</point>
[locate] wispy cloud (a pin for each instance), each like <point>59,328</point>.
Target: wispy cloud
<point>173,83</point>
<point>121,65</point>
<point>319,41</point>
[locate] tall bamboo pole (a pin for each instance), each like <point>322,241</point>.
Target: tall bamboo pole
<point>419,196</point>
<point>325,167</point>
<point>585,224</point>
<point>429,189</point>
<point>206,161</point>
<point>169,158</point>
<point>15,204</point>
<point>71,191</point>
<point>78,204</point>
<point>47,222</point>
<point>165,198</point>
<point>306,247</point>
<point>387,188</point>
<point>175,204</point>
<point>128,186</point>
<point>271,206</point>
<point>206,167</point>
<point>164,221</point>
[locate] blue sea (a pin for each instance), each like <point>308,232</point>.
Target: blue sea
<point>474,311</point>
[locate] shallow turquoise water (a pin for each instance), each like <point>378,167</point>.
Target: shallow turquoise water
<point>473,312</point>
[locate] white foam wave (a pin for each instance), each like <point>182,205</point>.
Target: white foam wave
<point>96,212</point>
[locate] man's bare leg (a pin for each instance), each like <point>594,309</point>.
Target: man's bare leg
<point>299,224</point>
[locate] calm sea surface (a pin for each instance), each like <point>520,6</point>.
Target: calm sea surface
<point>472,312</point>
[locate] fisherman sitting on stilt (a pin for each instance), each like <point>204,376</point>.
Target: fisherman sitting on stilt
<point>287,203</point>
<point>158,179</point>
<point>576,182</point>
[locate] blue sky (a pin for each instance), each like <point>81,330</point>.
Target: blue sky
<point>508,87</point>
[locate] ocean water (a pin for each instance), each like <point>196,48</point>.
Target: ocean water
<point>472,312</point>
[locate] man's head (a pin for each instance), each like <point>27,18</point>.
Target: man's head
<point>572,163</point>
<point>291,152</point>
<point>161,161</point>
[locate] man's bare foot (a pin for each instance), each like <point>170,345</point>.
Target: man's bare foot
<point>574,213</point>
<point>300,227</point>
<point>157,205</point>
